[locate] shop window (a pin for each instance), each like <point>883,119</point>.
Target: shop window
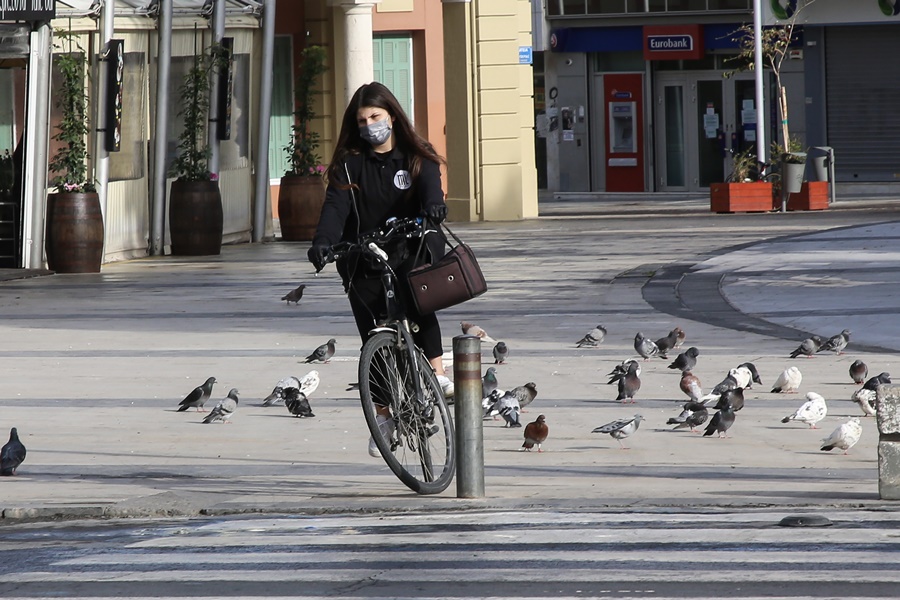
<point>573,7</point>
<point>129,162</point>
<point>611,62</point>
<point>234,153</point>
<point>600,7</point>
<point>685,5</point>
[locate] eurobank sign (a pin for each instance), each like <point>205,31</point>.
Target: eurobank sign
<point>673,42</point>
<point>831,12</point>
<point>27,10</point>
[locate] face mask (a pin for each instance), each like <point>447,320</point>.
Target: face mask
<point>377,133</point>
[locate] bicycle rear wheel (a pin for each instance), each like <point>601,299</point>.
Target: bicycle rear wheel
<point>419,446</point>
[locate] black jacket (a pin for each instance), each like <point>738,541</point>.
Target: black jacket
<point>385,190</point>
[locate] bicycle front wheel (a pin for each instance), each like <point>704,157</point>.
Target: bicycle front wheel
<point>417,441</point>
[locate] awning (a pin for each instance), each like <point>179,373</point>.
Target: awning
<point>80,8</point>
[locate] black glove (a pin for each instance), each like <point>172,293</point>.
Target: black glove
<point>436,212</point>
<point>318,255</point>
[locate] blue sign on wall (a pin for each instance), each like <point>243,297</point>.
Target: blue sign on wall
<point>526,55</point>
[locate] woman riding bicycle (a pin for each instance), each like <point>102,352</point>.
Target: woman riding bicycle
<point>382,168</point>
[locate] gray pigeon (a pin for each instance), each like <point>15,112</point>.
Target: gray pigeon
<point>733,397</point>
<point>620,370</point>
<point>525,394</point>
<point>592,338</point>
<point>323,353</point>
<point>874,382</point>
<point>501,352</point>
<point>645,346</point>
<point>837,343</point>
<point>198,397</point>
<point>629,384</point>
<point>12,454</point>
<point>277,395</point>
<point>224,409</point>
<point>488,382</point>
<point>693,414</point>
<point>507,406</point>
<point>667,343</point>
<point>297,403</point>
<point>721,422</point>
<point>686,361</point>
<point>808,347</point>
<point>294,295</point>
<point>858,371</point>
<point>621,428</point>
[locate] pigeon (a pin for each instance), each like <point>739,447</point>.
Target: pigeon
<point>323,353</point>
<point>645,346</point>
<point>525,394</point>
<point>198,397</point>
<point>687,360</point>
<point>592,338</point>
<point>535,434</point>
<point>472,329</point>
<point>690,385</point>
<point>667,343</point>
<point>837,343</point>
<point>489,401</point>
<point>629,384</point>
<point>874,382</point>
<point>294,295</point>
<point>754,374</point>
<point>501,352</point>
<point>507,406</point>
<point>621,428</point>
<point>866,401</point>
<point>621,369</point>
<point>681,336</point>
<point>693,414</point>
<point>742,376</point>
<point>297,403</point>
<point>277,395</point>
<point>729,383</point>
<point>844,437</point>
<point>733,398</point>
<point>488,382</point>
<point>858,372</point>
<point>225,408</point>
<point>808,347</point>
<point>12,454</point>
<point>721,422</point>
<point>810,412</point>
<point>788,382</point>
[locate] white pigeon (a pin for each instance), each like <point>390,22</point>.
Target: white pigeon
<point>810,412</point>
<point>866,401</point>
<point>309,383</point>
<point>788,382</point>
<point>225,408</point>
<point>488,401</point>
<point>742,376</point>
<point>844,437</point>
<point>621,428</point>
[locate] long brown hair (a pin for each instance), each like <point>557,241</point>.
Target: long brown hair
<point>405,137</point>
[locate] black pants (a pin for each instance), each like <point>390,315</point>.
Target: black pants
<point>367,302</point>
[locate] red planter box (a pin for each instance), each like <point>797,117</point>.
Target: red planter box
<point>753,196</point>
<point>812,196</point>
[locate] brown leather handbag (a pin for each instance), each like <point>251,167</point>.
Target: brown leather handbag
<point>452,280</point>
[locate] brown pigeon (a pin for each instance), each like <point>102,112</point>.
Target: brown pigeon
<point>690,385</point>
<point>472,329</point>
<point>294,295</point>
<point>535,434</point>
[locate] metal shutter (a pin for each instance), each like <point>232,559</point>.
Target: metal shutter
<point>862,85</point>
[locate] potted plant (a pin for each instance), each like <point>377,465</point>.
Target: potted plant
<point>302,190</point>
<point>741,193</point>
<point>196,217</point>
<point>74,238</point>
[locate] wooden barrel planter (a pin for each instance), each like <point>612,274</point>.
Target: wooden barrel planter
<point>300,201</point>
<point>196,218</point>
<point>74,240</point>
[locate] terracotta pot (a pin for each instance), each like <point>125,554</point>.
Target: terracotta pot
<point>813,195</point>
<point>300,201</point>
<point>74,241</point>
<point>196,218</point>
<point>753,196</point>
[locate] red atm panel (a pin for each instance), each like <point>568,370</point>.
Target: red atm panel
<point>624,117</point>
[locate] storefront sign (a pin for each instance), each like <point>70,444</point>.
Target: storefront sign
<point>27,10</point>
<point>664,42</point>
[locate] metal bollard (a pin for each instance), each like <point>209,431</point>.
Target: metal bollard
<point>887,406</point>
<point>468,412</point>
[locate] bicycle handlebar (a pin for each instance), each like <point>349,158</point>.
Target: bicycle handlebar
<point>370,242</point>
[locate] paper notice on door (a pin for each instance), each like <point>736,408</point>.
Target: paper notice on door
<point>711,124</point>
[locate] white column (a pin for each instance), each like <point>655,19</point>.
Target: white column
<point>359,63</point>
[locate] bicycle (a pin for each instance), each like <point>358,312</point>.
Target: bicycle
<point>394,373</point>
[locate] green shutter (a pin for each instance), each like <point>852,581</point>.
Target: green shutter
<point>393,67</point>
<point>282,107</point>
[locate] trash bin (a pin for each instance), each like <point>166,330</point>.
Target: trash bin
<point>819,160</point>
